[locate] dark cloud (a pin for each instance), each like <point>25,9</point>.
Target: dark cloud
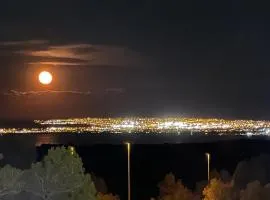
<point>42,52</point>
<point>38,93</point>
<point>24,43</point>
<point>58,63</point>
<point>16,93</point>
<point>115,90</point>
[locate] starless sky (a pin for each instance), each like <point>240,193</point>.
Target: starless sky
<point>126,58</point>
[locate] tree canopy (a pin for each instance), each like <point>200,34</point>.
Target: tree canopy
<point>255,191</point>
<point>172,189</point>
<point>10,183</point>
<point>60,175</point>
<point>217,190</point>
<point>102,196</point>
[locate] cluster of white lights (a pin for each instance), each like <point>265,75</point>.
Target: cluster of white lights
<point>147,125</point>
<point>125,124</point>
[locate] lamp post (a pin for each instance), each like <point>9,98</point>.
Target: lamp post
<point>128,166</point>
<point>208,165</point>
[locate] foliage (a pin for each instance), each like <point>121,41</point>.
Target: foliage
<point>225,176</point>
<point>255,191</point>
<point>259,166</point>
<point>217,190</point>
<point>220,175</point>
<point>215,174</point>
<point>10,183</point>
<point>102,196</point>
<point>172,189</point>
<point>86,192</point>
<point>100,184</point>
<point>199,187</point>
<point>60,175</point>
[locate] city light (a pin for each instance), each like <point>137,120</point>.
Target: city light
<point>176,125</point>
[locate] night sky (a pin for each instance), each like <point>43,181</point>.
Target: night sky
<point>146,58</point>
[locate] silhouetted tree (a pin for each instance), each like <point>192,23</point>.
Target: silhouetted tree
<point>60,176</point>
<point>10,183</point>
<point>172,189</point>
<point>101,196</point>
<point>200,186</point>
<point>100,184</point>
<point>225,176</point>
<point>215,174</point>
<point>257,168</point>
<point>217,190</point>
<point>255,191</point>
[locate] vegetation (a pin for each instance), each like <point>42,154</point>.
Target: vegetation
<point>222,185</point>
<point>60,175</point>
<point>255,191</point>
<point>172,189</point>
<point>102,196</point>
<point>10,183</point>
<point>216,189</point>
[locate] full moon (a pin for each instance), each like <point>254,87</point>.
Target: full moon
<point>45,78</point>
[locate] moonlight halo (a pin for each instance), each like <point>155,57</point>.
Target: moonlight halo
<point>45,78</point>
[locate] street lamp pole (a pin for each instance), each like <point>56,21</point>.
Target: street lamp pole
<point>129,185</point>
<point>208,165</point>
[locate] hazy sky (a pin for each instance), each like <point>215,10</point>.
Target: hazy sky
<point>111,58</point>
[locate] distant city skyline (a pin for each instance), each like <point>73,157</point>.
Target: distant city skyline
<point>177,126</point>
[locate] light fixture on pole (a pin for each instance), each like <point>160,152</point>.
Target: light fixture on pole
<point>208,165</point>
<point>128,166</point>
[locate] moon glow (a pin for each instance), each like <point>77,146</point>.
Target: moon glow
<point>45,78</point>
